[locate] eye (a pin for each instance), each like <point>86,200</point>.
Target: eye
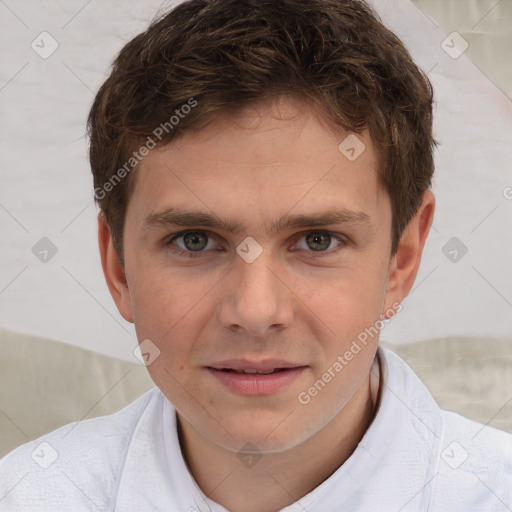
<point>320,241</point>
<point>195,244</point>
<point>190,242</point>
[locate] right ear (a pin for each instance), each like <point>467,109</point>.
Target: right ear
<point>113,270</point>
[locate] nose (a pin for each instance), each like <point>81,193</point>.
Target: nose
<point>256,298</point>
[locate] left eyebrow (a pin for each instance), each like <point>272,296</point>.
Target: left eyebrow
<point>187,218</point>
<point>335,216</point>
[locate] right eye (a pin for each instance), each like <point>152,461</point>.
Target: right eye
<point>191,243</point>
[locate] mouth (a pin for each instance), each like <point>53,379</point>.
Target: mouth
<point>252,371</point>
<point>256,379</point>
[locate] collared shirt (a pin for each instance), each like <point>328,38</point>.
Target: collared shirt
<point>413,457</point>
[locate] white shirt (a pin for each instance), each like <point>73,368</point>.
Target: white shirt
<point>413,457</point>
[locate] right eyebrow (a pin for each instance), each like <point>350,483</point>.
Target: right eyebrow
<point>171,217</point>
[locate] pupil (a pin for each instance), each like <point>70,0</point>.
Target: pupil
<point>318,241</point>
<point>195,241</point>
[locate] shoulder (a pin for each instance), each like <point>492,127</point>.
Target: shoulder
<point>475,466</point>
<point>77,464</point>
<point>471,462</point>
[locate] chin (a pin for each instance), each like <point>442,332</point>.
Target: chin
<point>263,435</point>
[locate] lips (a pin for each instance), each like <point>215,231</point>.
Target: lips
<point>256,378</point>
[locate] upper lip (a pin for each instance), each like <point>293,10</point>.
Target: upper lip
<point>246,364</point>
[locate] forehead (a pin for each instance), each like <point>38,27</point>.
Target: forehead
<point>274,155</point>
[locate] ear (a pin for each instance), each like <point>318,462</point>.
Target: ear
<point>113,270</point>
<point>405,263</point>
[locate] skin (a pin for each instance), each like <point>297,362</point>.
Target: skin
<point>293,302</point>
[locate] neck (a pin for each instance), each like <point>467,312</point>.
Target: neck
<point>277,479</point>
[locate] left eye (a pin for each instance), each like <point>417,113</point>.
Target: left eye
<point>318,241</point>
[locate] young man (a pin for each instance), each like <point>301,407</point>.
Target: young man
<point>263,173</point>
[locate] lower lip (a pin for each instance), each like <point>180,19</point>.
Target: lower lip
<point>257,384</point>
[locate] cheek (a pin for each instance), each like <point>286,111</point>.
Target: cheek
<point>171,307</point>
<point>162,296</point>
<point>344,300</point>
<point>160,305</point>
<point>164,313</point>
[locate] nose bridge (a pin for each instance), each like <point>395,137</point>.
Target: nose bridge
<point>255,298</point>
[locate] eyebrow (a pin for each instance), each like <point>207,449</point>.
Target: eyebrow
<point>172,218</point>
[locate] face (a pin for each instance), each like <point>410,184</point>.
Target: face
<point>312,276</point>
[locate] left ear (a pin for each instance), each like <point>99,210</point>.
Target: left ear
<point>405,263</point>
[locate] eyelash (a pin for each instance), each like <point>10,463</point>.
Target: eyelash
<point>197,254</point>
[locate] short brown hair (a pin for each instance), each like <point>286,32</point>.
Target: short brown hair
<point>222,55</point>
